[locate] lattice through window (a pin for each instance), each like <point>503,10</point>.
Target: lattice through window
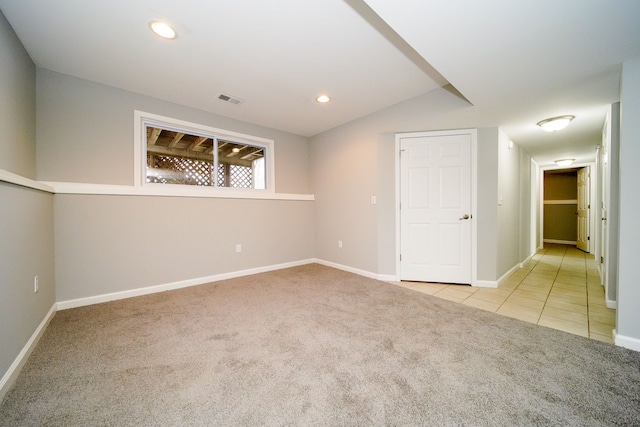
<point>235,176</point>
<point>179,157</point>
<point>177,170</point>
<point>240,177</point>
<point>222,170</point>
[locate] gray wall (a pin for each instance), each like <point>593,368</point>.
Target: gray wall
<point>85,134</point>
<point>487,215</point>
<point>26,250</point>
<point>26,215</point>
<point>17,105</point>
<point>628,320</point>
<point>509,205</point>
<point>355,161</point>
<point>613,210</point>
<point>109,244</point>
<point>525,205</point>
<point>344,179</point>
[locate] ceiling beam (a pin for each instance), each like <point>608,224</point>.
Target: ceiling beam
<point>233,153</point>
<point>220,145</point>
<point>176,139</point>
<point>155,133</point>
<point>254,152</point>
<point>194,155</point>
<point>199,140</point>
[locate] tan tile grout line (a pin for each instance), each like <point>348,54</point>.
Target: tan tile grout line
<point>552,283</point>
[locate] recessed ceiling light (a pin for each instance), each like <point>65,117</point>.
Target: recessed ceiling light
<point>323,99</point>
<point>565,162</point>
<point>555,123</point>
<point>163,30</point>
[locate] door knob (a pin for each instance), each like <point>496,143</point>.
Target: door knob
<point>465,216</point>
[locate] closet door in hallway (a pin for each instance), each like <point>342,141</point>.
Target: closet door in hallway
<point>435,211</point>
<point>583,209</point>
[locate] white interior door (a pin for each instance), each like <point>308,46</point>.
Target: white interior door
<point>583,209</point>
<point>435,210</point>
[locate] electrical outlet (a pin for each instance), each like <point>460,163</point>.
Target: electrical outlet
<point>374,200</point>
<point>340,243</point>
<point>36,285</point>
<point>238,248</point>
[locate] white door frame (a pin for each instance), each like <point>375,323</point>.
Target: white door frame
<point>592,190</point>
<point>535,209</point>
<point>474,187</point>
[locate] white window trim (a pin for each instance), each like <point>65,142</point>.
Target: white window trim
<point>141,119</point>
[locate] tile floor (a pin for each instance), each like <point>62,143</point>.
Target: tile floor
<point>559,287</point>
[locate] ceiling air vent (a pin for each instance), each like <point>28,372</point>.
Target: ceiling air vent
<point>230,99</point>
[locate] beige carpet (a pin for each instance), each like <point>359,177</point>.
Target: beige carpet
<point>313,345</point>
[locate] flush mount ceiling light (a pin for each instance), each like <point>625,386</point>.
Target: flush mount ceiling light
<point>163,30</point>
<point>555,123</point>
<point>564,162</point>
<point>323,99</point>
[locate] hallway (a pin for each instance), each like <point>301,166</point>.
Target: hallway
<point>558,288</point>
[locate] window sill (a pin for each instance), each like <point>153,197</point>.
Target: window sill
<point>12,178</point>
<point>170,191</point>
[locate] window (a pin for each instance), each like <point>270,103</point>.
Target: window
<point>181,153</point>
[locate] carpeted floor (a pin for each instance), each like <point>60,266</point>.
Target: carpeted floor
<point>313,345</point>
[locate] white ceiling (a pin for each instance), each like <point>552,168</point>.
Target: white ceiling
<point>517,62</point>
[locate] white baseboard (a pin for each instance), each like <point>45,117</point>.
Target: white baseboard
<point>526,260</point>
<point>626,342</point>
<point>80,302</point>
<point>364,273</point>
<point>510,272</point>
<point>611,304</point>
<point>485,284</point>
<point>561,242</point>
<point>12,373</point>
<point>388,278</point>
<point>496,283</point>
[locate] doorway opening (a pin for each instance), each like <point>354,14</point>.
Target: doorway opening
<point>565,213</point>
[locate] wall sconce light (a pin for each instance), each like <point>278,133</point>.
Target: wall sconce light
<point>555,123</point>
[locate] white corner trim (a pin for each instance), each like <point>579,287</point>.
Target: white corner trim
<point>97,299</point>
<point>613,305</point>
<point>626,342</point>
<point>170,191</point>
<point>12,373</point>
<point>12,178</point>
